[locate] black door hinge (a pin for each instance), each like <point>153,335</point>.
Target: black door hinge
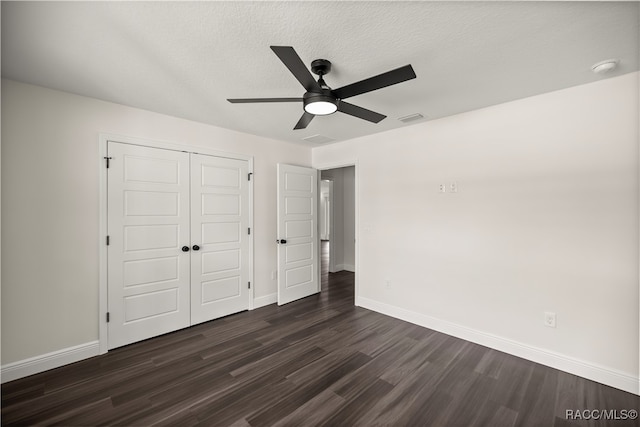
<point>107,159</point>
<point>249,285</point>
<point>108,240</point>
<point>108,317</point>
<point>249,176</point>
<point>249,230</point>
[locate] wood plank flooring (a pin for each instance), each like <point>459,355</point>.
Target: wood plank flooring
<point>318,361</point>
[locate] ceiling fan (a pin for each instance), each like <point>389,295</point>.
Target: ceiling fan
<point>319,99</point>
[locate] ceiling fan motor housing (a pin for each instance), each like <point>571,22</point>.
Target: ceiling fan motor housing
<point>321,67</point>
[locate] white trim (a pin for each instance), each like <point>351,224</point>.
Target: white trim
<point>152,143</point>
<point>602,374</point>
<point>318,241</point>
<point>337,165</point>
<point>55,359</point>
<point>252,291</point>
<point>347,267</point>
<point>103,139</point>
<point>103,307</point>
<point>265,300</point>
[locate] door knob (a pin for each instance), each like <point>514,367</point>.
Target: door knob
<point>196,248</point>
<point>185,249</point>
<point>282,241</point>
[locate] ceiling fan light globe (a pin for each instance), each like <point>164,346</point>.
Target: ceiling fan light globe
<point>320,108</point>
<point>320,104</point>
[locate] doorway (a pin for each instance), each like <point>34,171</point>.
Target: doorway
<point>337,221</point>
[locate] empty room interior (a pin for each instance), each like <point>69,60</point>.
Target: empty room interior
<point>255,213</point>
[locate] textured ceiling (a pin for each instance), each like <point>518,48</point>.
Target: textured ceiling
<point>185,58</point>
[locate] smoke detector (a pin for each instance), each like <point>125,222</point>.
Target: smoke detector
<point>603,67</point>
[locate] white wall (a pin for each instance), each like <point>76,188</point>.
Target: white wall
<point>546,219</point>
<point>50,208</point>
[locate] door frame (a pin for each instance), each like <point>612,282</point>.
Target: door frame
<point>103,140</point>
<point>353,162</point>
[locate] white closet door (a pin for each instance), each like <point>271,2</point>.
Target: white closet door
<point>220,270</point>
<point>148,224</point>
<point>298,260</point>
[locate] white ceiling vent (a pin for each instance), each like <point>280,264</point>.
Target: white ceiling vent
<point>411,118</point>
<point>318,139</point>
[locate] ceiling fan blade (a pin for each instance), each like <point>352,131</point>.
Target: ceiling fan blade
<point>389,78</point>
<point>300,71</point>
<point>304,121</point>
<point>359,112</point>
<point>250,100</point>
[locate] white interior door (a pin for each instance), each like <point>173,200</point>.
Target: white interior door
<point>220,270</point>
<point>298,244</point>
<point>148,225</point>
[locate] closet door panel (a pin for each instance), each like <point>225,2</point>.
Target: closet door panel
<point>148,223</point>
<point>220,234</point>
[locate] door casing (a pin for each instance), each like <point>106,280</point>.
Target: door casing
<point>103,139</point>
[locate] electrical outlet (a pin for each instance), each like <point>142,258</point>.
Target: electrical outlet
<point>550,319</point>
<point>453,187</point>
<point>387,284</point>
<point>442,188</point>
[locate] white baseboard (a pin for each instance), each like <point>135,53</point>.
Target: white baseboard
<point>602,374</point>
<point>348,267</point>
<point>33,365</point>
<point>265,300</point>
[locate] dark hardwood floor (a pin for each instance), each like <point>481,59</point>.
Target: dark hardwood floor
<point>318,361</point>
